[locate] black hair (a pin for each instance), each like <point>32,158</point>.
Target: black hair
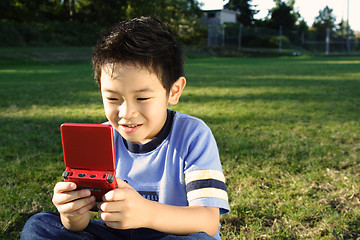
<point>144,41</point>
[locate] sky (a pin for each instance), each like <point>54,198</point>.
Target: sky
<point>308,9</point>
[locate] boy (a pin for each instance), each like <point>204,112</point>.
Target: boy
<point>172,183</point>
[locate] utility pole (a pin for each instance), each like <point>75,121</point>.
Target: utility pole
<point>348,30</point>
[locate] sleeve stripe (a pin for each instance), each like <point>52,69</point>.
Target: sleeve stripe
<point>204,174</point>
<point>205,183</point>
<point>207,193</point>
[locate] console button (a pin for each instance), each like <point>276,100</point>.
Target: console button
<point>65,175</point>
<point>110,178</point>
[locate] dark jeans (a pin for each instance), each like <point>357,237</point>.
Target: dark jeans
<point>48,226</point>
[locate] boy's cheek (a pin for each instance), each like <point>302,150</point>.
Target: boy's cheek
<point>110,113</point>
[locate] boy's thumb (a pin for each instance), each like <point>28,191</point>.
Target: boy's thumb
<point>122,183</point>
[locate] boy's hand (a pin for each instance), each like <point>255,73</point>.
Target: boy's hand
<point>73,205</point>
<point>70,202</point>
<point>123,208</point>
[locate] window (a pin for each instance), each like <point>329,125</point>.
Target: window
<point>211,15</point>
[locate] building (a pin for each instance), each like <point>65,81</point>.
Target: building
<point>219,17</point>
<point>214,20</point>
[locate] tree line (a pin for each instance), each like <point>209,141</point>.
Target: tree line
<point>102,12</point>
<point>290,20</point>
<point>78,21</point>
<point>65,21</point>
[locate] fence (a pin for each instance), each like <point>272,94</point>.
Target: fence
<point>239,36</point>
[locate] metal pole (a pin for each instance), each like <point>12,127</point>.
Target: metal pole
<point>280,38</point>
<point>223,35</point>
<point>209,36</point>
<point>327,41</point>
<point>239,37</point>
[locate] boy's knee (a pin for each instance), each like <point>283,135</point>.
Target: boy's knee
<point>44,217</point>
<point>40,224</point>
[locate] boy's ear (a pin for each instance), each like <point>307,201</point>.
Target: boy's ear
<point>176,90</point>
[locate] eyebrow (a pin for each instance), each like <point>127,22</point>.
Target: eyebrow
<point>136,91</point>
<point>108,90</point>
<point>144,90</point>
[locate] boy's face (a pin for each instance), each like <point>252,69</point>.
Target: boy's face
<point>135,101</point>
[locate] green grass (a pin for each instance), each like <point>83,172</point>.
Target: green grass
<point>287,130</point>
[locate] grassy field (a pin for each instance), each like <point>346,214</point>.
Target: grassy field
<point>287,129</point>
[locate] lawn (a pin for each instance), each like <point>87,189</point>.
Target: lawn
<point>287,129</point>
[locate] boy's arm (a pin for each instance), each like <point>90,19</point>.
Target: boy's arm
<point>124,208</point>
<point>73,206</point>
<point>184,220</point>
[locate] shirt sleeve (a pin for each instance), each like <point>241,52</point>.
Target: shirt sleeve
<point>204,179</point>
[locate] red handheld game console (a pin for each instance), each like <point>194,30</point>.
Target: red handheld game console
<point>89,157</point>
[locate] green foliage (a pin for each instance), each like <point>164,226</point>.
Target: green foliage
<point>325,20</point>
<point>246,16</point>
<point>97,12</point>
<point>42,22</point>
<point>48,33</point>
<point>283,15</point>
<point>287,130</point>
<point>78,34</point>
<point>195,35</point>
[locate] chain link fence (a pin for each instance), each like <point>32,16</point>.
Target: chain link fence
<point>236,35</point>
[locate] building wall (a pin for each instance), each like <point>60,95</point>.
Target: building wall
<point>227,16</point>
<point>217,17</point>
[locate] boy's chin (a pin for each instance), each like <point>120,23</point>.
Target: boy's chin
<point>135,140</point>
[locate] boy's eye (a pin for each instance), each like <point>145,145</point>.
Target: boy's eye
<point>142,99</point>
<point>112,99</point>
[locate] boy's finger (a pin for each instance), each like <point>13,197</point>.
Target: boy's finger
<point>77,205</point>
<point>114,195</point>
<point>87,208</point>
<point>64,187</point>
<point>110,217</point>
<point>108,207</point>
<point>71,196</point>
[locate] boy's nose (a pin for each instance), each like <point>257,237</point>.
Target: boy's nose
<point>127,111</point>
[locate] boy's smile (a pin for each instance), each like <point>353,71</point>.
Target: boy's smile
<point>135,101</point>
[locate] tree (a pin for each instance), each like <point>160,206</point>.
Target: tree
<point>101,12</point>
<point>343,31</point>
<point>36,10</point>
<point>325,20</point>
<point>182,15</point>
<point>283,14</point>
<point>24,11</point>
<point>172,11</point>
<point>6,9</point>
<point>78,21</point>
<point>246,16</point>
